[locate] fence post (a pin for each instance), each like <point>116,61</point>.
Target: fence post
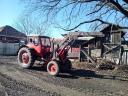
<point>80,53</point>
<point>126,59</point>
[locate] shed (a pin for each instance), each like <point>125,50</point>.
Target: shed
<point>84,38</point>
<point>105,43</point>
<point>112,42</point>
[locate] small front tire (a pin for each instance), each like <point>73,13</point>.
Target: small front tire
<point>53,68</point>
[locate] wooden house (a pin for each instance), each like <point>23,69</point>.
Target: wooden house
<point>85,39</point>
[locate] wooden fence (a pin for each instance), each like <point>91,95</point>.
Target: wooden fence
<point>124,59</point>
<point>9,48</point>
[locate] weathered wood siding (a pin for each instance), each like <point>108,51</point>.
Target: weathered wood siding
<point>116,37</point>
<point>9,48</point>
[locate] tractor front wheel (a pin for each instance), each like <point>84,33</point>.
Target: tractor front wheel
<point>26,57</point>
<point>53,68</point>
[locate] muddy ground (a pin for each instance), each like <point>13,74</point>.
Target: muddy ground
<point>15,81</point>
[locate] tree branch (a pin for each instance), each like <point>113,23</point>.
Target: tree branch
<point>126,1</point>
<point>95,11</point>
<point>119,7</point>
<point>101,21</point>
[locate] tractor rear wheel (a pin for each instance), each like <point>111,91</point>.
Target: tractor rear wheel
<point>53,68</point>
<point>26,57</point>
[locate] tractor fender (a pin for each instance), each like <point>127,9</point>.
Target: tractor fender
<point>24,46</point>
<point>20,48</point>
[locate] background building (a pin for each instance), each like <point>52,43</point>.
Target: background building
<point>9,40</point>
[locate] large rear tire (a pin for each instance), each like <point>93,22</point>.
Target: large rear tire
<point>26,57</point>
<point>53,68</point>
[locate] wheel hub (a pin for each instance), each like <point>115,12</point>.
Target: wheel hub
<point>25,58</point>
<point>52,68</point>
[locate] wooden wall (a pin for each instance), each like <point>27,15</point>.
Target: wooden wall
<point>9,49</point>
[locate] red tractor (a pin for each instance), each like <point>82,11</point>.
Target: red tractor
<point>41,48</point>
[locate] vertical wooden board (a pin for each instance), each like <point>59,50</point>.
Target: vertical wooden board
<point>1,48</point>
<point>126,58</point>
<point>116,37</point>
<point>4,48</point>
<point>16,47</point>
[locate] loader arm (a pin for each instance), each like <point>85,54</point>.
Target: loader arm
<point>65,45</point>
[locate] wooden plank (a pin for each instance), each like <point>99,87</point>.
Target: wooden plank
<point>89,57</point>
<point>80,54</point>
<point>113,49</point>
<point>126,58</point>
<point>106,47</point>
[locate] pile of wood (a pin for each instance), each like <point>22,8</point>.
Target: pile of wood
<point>106,65</point>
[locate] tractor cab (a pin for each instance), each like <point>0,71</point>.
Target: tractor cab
<point>39,40</point>
<point>41,45</point>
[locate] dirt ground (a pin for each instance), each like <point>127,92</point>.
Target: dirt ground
<point>15,81</point>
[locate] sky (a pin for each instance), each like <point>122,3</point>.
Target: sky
<point>10,11</point>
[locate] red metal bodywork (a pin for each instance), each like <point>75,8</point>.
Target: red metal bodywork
<point>36,48</point>
<point>62,54</point>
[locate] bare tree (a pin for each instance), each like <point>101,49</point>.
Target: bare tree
<point>79,12</point>
<point>31,25</point>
